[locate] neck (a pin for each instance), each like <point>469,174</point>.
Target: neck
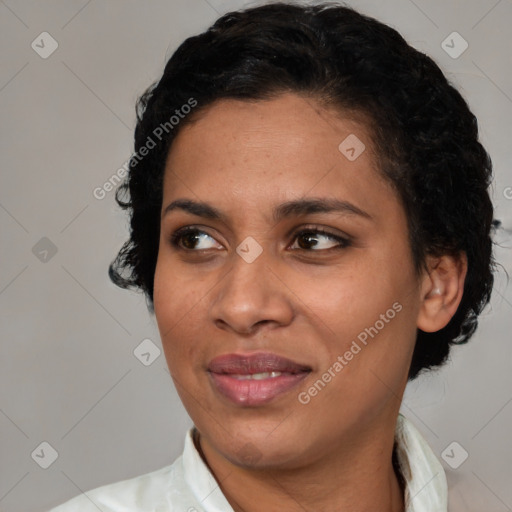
<point>358,476</point>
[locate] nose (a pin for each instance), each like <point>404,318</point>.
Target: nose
<point>250,296</point>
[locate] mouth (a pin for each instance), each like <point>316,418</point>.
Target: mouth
<point>256,379</point>
<point>257,376</point>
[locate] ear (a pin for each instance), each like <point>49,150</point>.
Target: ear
<point>441,291</point>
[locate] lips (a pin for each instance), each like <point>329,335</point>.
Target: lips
<point>254,379</point>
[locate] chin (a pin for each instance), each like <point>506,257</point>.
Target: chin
<point>254,456</point>
<point>261,446</point>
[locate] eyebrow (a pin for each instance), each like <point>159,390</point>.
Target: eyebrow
<point>280,212</point>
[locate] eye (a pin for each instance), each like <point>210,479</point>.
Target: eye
<point>187,238</point>
<point>318,237</point>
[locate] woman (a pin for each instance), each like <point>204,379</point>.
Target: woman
<point>310,223</point>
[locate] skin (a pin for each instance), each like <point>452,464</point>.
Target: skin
<point>296,299</point>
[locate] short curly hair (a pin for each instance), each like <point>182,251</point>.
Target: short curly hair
<point>426,136</point>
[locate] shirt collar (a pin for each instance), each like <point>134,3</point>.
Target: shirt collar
<point>200,480</point>
<point>425,480</point>
<point>426,488</point>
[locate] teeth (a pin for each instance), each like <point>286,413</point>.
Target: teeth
<point>257,376</point>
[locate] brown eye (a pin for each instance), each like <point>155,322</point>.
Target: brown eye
<point>187,239</point>
<point>309,239</point>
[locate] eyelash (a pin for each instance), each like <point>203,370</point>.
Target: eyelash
<point>343,241</point>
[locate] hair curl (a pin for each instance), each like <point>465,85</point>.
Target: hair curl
<point>426,136</point>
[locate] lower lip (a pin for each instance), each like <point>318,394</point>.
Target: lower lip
<point>251,392</point>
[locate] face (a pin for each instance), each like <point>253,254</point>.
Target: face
<point>287,300</point>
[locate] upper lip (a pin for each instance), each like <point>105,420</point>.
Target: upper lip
<point>248,364</point>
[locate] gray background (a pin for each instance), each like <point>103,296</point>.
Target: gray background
<point>68,375</point>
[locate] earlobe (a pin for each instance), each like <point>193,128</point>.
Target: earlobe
<point>441,291</point>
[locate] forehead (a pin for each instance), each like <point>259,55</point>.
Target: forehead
<point>280,148</point>
<point>287,123</point>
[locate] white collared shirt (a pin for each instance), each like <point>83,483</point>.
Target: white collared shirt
<point>187,485</point>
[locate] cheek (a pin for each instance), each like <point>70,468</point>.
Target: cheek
<point>366,312</point>
<point>176,293</point>
<point>177,307</point>
<point>348,298</point>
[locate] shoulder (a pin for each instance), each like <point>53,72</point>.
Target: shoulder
<point>150,492</point>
